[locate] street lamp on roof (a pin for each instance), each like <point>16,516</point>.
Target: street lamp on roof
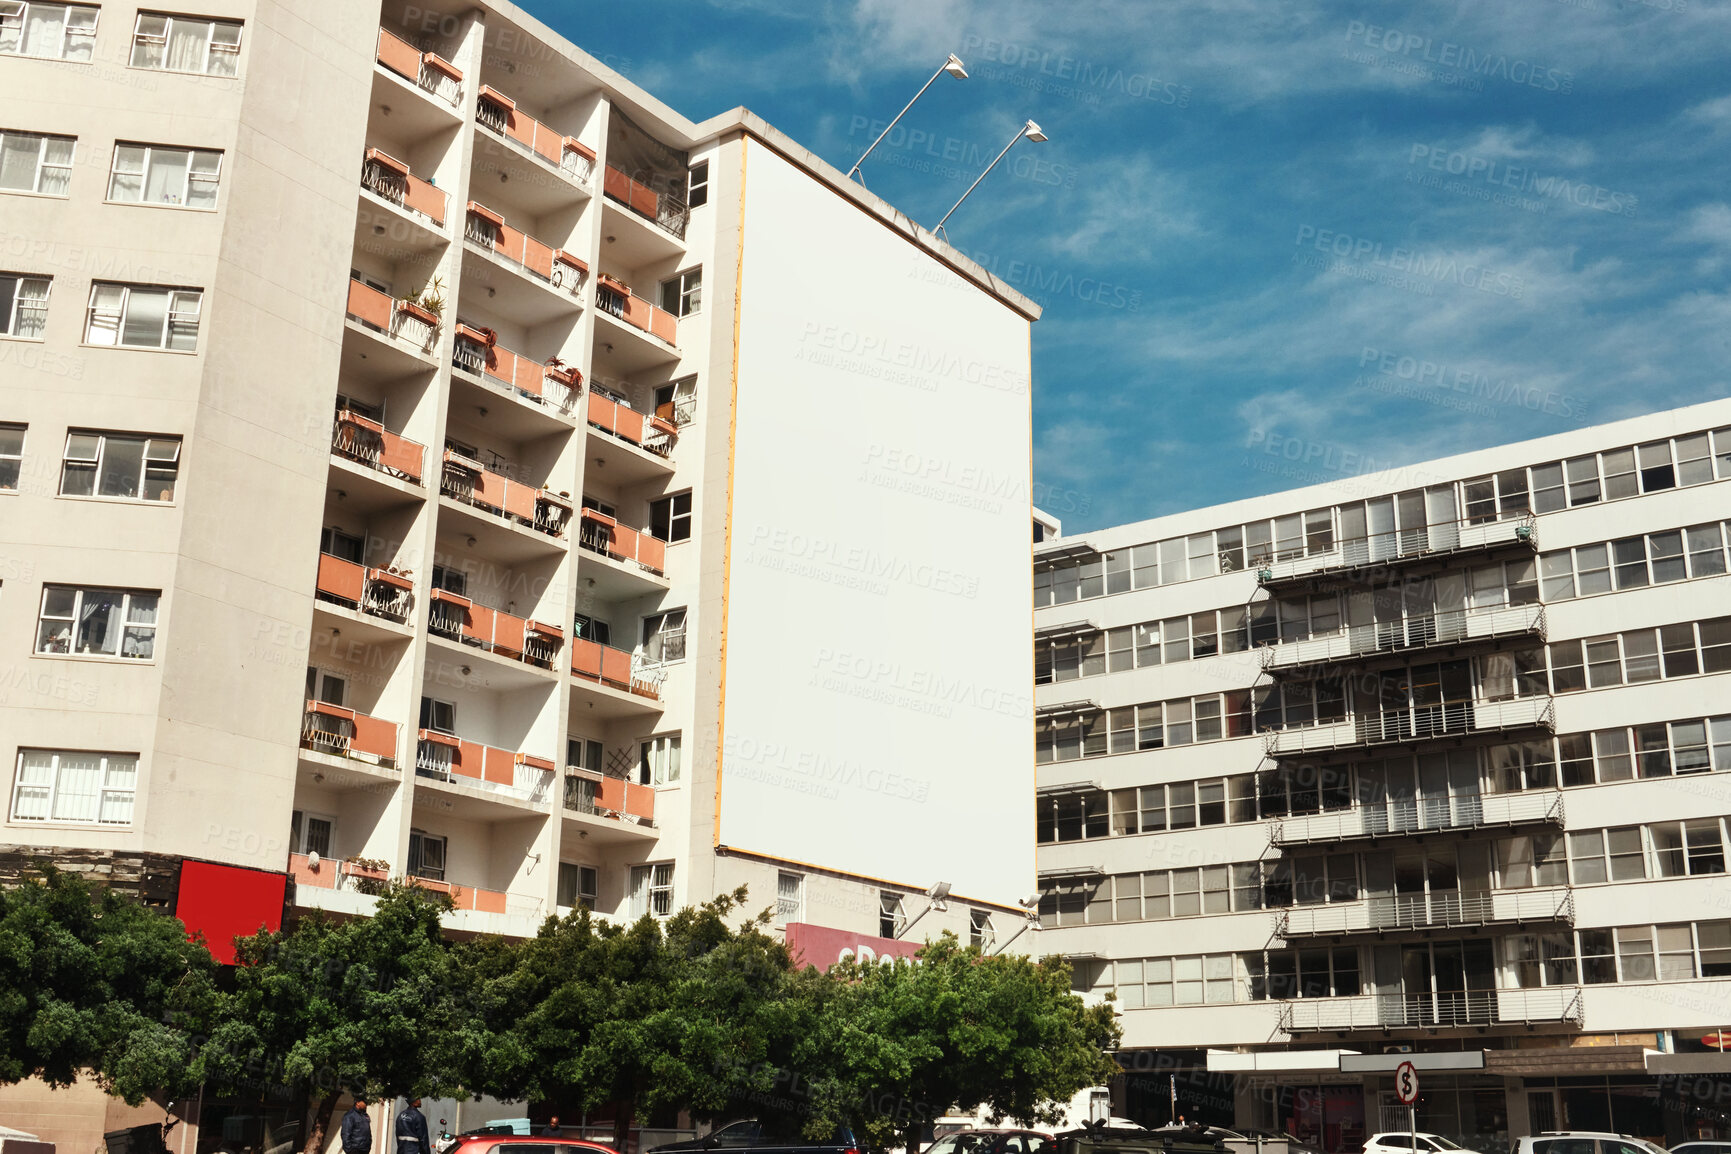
<point>953,66</point>
<point>1030,130</point>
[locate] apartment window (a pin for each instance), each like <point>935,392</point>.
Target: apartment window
<point>1618,467</point>
<point>1706,548</point>
<point>23,305</point>
<point>697,185</point>
<point>31,162</point>
<point>1657,471</point>
<point>683,295</point>
<point>652,890</point>
<point>982,935</point>
<point>592,629</point>
<point>789,898</point>
<point>578,885</point>
<point>74,786</point>
<point>427,855</point>
<point>677,401</point>
<point>97,622</point>
<point>450,580</point>
<point>120,465</point>
<point>326,687</point>
<point>149,174</point>
<point>337,543</point>
<point>143,316</point>
<point>11,456</point>
<point>52,31</point>
<point>186,44</point>
<point>892,918</point>
<point>658,761</point>
<point>311,833</point>
<point>438,716</point>
<point>664,636</point>
<point>670,518</point>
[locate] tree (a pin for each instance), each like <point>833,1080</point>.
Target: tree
<point>363,1005</point>
<point>94,981</point>
<point>897,1044</point>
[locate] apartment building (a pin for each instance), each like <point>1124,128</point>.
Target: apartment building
<point>1424,765</point>
<point>424,453</point>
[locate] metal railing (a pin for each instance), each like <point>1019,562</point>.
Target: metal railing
<point>1449,627</point>
<point>1560,1004</point>
<point>1423,815</point>
<point>498,114</point>
<point>437,760</point>
<point>1402,545</point>
<point>1427,911</point>
<point>1413,723</point>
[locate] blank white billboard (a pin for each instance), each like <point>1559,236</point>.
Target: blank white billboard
<point>879,669</point>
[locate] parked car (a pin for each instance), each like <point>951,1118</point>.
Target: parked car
<point>507,1143</point>
<point>1401,1142</point>
<point>1582,1142</point>
<point>1703,1146</point>
<point>1132,1140</point>
<point>760,1138</point>
<point>1239,1141</point>
<point>989,1141</point>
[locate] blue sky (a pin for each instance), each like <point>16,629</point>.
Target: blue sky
<point>1277,241</point>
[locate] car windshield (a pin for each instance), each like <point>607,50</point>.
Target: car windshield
<point>1445,1143</point>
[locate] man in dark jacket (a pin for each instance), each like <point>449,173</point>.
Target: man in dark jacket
<point>357,1131</point>
<point>412,1130</point>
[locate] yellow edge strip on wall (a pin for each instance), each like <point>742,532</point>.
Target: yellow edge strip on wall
<point>732,433</point>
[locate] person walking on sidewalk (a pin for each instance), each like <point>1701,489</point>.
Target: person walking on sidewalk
<point>357,1129</point>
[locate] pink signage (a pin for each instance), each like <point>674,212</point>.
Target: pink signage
<point>824,946</point>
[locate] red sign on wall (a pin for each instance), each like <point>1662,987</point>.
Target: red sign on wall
<point>824,946</point>
<point>227,902</point>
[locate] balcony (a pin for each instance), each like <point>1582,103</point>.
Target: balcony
<point>1439,631</point>
<point>437,85</point>
<point>1349,558</point>
<point>401,325</point>
<point>522,507</point>
<point>609,809</point>
<point>334,884</point>
<point>552,387</point>
<point>1415,723</point>
<point>630,684</point>
<point>652,432</point>
<point>1437,911</point>
<point>1560,1006</point>
<point>544,169</point>
<point>416,222</point>
<point>652,334</point>
<point>366,442</point>
<point>518,778</point>
<point>1402,817</point>
<point>338,732</point>
<point>541,283</point>
<point>502,634</point>
<point>506,908</point>
<point>636,560</point>
<point>380,593</point>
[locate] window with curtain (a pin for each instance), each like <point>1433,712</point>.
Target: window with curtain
<point>652,890</point>
<point>186,44</point>
<point>789,897</point>
<point>11,456</point>
<point>23,306</point>
<point>120,465</point>
<point>51,31</point>
<point>97,622</point>
<point>143,316</point>
<point>76,787</point>
<point>658,761</point>
<point>31,162</point>
<point>150,174</point>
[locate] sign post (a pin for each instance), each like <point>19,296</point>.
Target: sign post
<point>1406,1091</point>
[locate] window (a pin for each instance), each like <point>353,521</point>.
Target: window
<point>1706,550</point>
<point>697,185</point>
<point>311,833</point>
<point>52,31</point>
<point>578,885</point>
<point>789,898</point>
<point>1619,471</point>
<point>1656,468</point>
<point>146,174</point>
<point>438,716</point>
<point>683,295</point>
<point>69,786</point>
<point>592,629</point>
<point>326,687</point>
<point>337,543</point>
<point>982,935</point>
<point>143,316</point>
<point>120,465</point>
<point>892,918</point>
<point>664,636</point>
<point>677,401</point>
<point>186,44</point>
<point>23,306</point>
<point>30,162</point>
<point>670,518</point>
<point>451,580</point>
<point>426,856</point>
<point>1583,477</point>
<point>97,622</point>
<point>11,456</point>
<point>658,761</point>
<point>652,890</point>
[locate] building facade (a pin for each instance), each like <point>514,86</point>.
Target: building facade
<point>424,453</point>
<point>1422,765</point>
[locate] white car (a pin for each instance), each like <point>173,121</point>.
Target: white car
<point>1403,1143</point>
<point>1582,1142</point>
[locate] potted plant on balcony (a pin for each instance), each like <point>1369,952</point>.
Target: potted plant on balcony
<point>429,305</point>
<point>368,875</point>
<point>568,375</point>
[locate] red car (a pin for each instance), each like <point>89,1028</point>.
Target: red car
<point>525,1144</point>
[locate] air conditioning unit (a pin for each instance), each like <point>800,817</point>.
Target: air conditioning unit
<point>1397,1049</point>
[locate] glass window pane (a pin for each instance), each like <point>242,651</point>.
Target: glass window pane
<point>146,315</point>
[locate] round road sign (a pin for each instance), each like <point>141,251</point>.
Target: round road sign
<point>1406,1083</point>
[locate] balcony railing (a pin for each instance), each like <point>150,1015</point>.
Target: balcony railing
<point>332,873</point>
<point>593,661</point>
<point>364,440</point>
<point>401,319</point>
<point>645,430</point>
<point>485,901</point>
<point>601,534</point>
<point>378,592</point>
<point>386,177</point>
<point>447,757</point>
<point>345,733</point>
<point>1423,815</point>
<point>1403,545</point>
<point>1448,628</point>
<point>487,229</point>
<point>1448,910</point>
<point>465,480</point>
<point>593,793</point>
<point>1414,723</point>
<point>517,638</point>
<point>1561,1005</point>
<point>428,70</point>
<point>661,208</point>
<point>614,298</point>
<point>499,114</point>
<point>475,353</point>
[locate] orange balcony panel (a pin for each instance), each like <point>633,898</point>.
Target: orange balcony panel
<point>373,736</point>
<point>484,901</point>
<point>651,552</point>
<point>610,794</point>
<point>585,657</point>
<point>499,766</point>
<point>323,878</point>
<point>400,56</point>
<point>615,666</point>
<point>508,632</point>
<point>368,304</point>
<point>479,623</point>
<point>639,801</point>
<point>340,578</point>
<point>401,455</point>
<point>471,759</point>
<point>616,184</point>
<point>425,199</point>
<point>663,325</point>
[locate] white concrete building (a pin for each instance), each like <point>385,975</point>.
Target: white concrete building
<point>1428,764</point>
<point>423,452</point>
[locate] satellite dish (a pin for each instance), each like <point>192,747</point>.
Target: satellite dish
<point>313,860</point>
